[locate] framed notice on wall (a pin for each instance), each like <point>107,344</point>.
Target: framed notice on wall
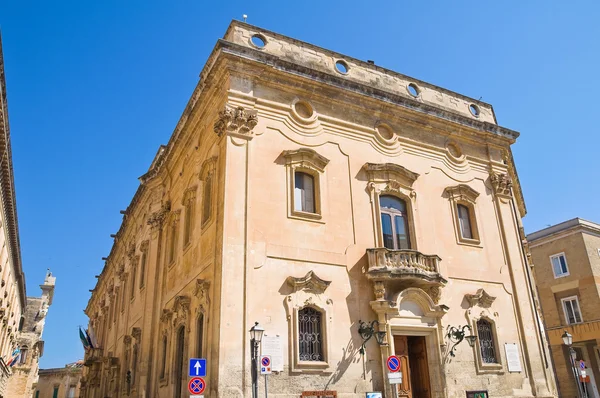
<point>271,345</point>
<point>513,359</point>
<point>477,394</point>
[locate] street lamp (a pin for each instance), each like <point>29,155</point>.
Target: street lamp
<point>567,339</point>
<point>457,335</point>
<point>256,333</point>
<point>368,330</point>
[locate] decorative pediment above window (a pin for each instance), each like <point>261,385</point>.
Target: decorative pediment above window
<point>131,252</point>
<point>157,218</point>
<point>462,192</point>
<point>310,282</point>
<point>189,195</point>
<point>305,158</point>
<point>481,299</point>
<point>390,178</point>
<point>166,315</point>
<point>237,122</point>
<point>201,292</point>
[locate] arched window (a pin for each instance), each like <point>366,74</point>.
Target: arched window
<point>464,219</point>
<point>179,354</point>
<point>134,362</point>
<point>487,344</point>
<point>394,223</point>
<point>310,334</point>
<point>200,334</point>
<point>163,365</point>
<point>304,192</point>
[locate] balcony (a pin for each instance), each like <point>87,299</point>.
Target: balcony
<point>410,268</point>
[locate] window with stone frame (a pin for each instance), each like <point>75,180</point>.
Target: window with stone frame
<point>462,200</point>
<point>305,169</point>
<point>208,177</point>
<point>163,358</point>
<point>571,310</point>
<point>200,335</point>
<point>560,267</point>
<point>132,283</point>
<point>172,238</point>
<point>310,334</point>
<point>189,203</point>
<point>487,341</point>
<point>123,293</point>
<point>394,223</point>
<point>143,261</point>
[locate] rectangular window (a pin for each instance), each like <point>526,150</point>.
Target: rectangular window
<point>206,199</point>
<point>23,358</point>
<point>559,265</point>
<point>71,393</point>
<point>571,309</point>
<point>172,242</point>
<point>386,226</point>
<point>132,291</point>
<point>304,192</point>
<point>188,219</point>
<point>143,268</point>
<point>464,219</point>
<point>37,394</point>
<point>55,393</point>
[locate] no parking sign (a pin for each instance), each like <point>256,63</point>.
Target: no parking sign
<point>265,365</point>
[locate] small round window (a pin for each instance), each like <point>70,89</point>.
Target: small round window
<point>341,67</point>
<point>258,41</point>
<point>474,109</point>
<point>413,90</point>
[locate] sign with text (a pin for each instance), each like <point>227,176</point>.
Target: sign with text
<point>513,358</point>
<point>395,378</point>
<point>271,346</point>
<point>374,395</point>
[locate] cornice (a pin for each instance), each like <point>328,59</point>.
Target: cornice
<point>7,188</point>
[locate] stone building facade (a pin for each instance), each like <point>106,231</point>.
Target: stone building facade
<point>12,279</point>
<point>59,382</point>
<point>309,191</point>
<point>29,339</point>
<point>566,260</point>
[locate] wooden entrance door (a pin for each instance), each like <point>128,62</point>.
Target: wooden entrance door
<point>412,352</point>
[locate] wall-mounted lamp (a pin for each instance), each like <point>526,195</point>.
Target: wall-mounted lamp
<point>367,330</point>
<point>457,335</point>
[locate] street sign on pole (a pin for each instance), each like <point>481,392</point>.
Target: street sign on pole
<point>395,378</point>
<point>265,365</point>
<point>581,364</point>
<point>197,367</point>
<point>196,385</point>
<point>393,363</point>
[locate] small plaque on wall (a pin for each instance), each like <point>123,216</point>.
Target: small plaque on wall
<point>512,357</point>
<point>477,394</point>
<point>320,394</point>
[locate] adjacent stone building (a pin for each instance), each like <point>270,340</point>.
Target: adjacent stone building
<point>59,382</point>
<point>315,193</point>
<point>29,339</point>
<point>566,257</point>
<point>12,282</point>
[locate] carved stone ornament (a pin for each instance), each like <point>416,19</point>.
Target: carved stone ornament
<point>189,195</point>
<point>166,315</point>
<point>481,298</point>
<point>379,289</point>
<point>305,158</point>
<point>435,293</point>
<point>501,183</point>
<point>144,245</point>
<point>136,333</point>
<point>157,218</point>
<point>201,291</point>
<point>127,340</point>
<point>181,310</point>
<point>310,282</point>
<point>237,122</point>
<point>131,252</point>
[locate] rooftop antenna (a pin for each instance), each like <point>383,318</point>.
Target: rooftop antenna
<point>245,17</point>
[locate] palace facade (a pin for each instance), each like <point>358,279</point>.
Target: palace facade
<point>320,195</point>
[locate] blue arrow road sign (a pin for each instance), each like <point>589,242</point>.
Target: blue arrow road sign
<point>197,367</point>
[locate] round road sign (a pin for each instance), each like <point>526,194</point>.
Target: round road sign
<point>196,385</point>
<point>266,361</point>
<point>393,363</point>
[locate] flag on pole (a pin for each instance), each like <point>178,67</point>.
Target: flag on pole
<point>83,339</point>
<point>88,338</point>
<point>92,336</point>
<point>15,355</point>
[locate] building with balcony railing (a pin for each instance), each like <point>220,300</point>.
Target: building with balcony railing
<point>316,193</point>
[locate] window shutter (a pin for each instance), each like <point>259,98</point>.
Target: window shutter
<point>309,194</point>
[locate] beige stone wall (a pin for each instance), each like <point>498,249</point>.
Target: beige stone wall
<point>61,378</point>
<point>238,266</point>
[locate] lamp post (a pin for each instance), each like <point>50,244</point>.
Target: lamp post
<point>368,330</point>
<point>567,339</point>
<point>256,333</point>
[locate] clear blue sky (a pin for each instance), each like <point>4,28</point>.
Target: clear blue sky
<point>95,86</point>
